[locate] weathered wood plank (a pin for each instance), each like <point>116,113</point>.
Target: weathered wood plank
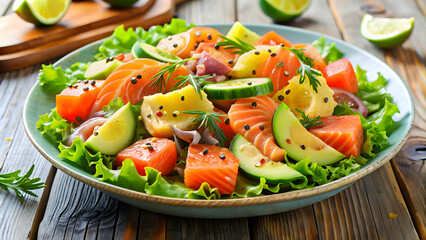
<point>203,12</point>
<point>215,228</point>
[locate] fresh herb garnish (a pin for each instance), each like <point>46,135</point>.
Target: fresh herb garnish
<point>238,44</point>
<point>196,81</point>
<point>20,184</point>
<point>161,79</point>
<point>307,122</point>
<point>305,69</point>
<point>209,120</point>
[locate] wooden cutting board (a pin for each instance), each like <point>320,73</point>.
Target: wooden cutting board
<point>40,44</point>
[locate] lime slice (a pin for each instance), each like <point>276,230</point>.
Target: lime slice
<point>386,32</point>
<point>121,3</point>
<point>41,12</point>
<point>284,10</point>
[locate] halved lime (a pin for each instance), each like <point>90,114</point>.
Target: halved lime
<point>386,32</point>
<point>121,3</point>
<point>284,10</point>
<point>41,12</point>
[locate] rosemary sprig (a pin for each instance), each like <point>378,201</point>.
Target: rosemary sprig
<point>210,121</point>
<point>161,79</point>
<point>238,44</point>
<point>196,81</point>
<point>305,69</point>
<point>20,184</point>
<point>307,122</point>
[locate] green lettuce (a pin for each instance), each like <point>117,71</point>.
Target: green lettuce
<point>54,79</point>
<point>328,51</point>
<point>122,40</point>
<point>54,127</point>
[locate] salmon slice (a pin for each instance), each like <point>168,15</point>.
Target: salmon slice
<point>215,165</point>
<point>343,133</point>
<point>119,83</point>
<point>280,67</point>
<point>252,118</point>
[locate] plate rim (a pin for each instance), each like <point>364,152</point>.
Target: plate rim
<point>238,202</point>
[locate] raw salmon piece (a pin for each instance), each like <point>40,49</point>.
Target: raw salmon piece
<point>252,118</point>
<point>343,133</point>
<point>161,156</point>
<point>215,165</point>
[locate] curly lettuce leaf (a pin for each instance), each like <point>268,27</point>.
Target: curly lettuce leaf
<point>54,127</point>
<point>54,79</point>
<point>122,40</point>
<point>328,51</point>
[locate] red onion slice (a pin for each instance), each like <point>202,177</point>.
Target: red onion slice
<point>85,130</point>
<point>356,104</point>
<point>207,138</point>
<point>188,136</point>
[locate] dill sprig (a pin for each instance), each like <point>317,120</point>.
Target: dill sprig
<point>161,79</point>
<point>307,122</point>
<point>196,81</point>
<point>210,121</point>
<point>238,44</point>
<point>305,69</point>
<point>20,184</point>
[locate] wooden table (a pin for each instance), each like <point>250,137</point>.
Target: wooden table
<point>67,208</point>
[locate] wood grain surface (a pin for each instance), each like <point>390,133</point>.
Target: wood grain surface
<point>69,209</point>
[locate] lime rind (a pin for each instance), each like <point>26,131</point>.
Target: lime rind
<point>386,32</point>
<point>27,11</point>
<point>282,11</point>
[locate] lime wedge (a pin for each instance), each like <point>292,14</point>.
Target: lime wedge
<point>41,12</point>
<point>284,10</point>
<point>386,32</point>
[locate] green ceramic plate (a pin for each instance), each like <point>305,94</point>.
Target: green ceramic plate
<point>39,102</point>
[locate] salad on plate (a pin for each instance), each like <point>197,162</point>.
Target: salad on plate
<point>189,112</point>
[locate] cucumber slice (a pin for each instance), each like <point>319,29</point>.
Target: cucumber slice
<point>239,88</point>
<point>101,69</point>
<point>298,142</point>
<point>143,50</point>
<point>273,172</point>
<point>115,134</point>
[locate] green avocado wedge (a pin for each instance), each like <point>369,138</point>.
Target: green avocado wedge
<point>102,69</point>
<point>298,142</point>
<point>252,164</point>
<point>115,134</point>
<point>144,50</point>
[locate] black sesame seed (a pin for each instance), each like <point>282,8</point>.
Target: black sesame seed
<point>286,73</point>
<point>246,127</point>
<point>75,86</point>
<point>262,127</point>
<point>249,83</point>
<point>229,77</point>
<point>230,62</point>
<point>222,156</point>
<point>174,115</point>
<point>78,81</point>
<point>326,99</point>
<point>254,104</point>
<point>273,54</point>
<point>139,76</point>
<point>253,72</point>
<point>150,147</point>
<point>85,88</point>
<point>93,82</point>
<point>287,91</point>
<point>182,98</point>
<point>280,97</point>
<point>256,53</point>
<point>216,47</point>
<point>148,116</point>
<point>196,45</point>
<point>86,81</point>
<point>175,45</point>
<point>281,44</point>
<point>79,119</point>
<point>169,38</point>
<point>134,80</point>
<point>269,50</point>
<point>197,33</point>
<point>202,40</point>
<point>209,37</point>
<point>205,151</point>
<point>95,133</point>
<point>226,121</point>
<point>161,107</point>
<point>148,143</point>
<point>70,85</point>
<point>302,147</point>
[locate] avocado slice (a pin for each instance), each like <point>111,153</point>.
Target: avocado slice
<point>244,34</point>
<point>102,69</point>
<point>115,134</point>
<point>298,142</point>
<point>273,172</point>
<point>144,50</point>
